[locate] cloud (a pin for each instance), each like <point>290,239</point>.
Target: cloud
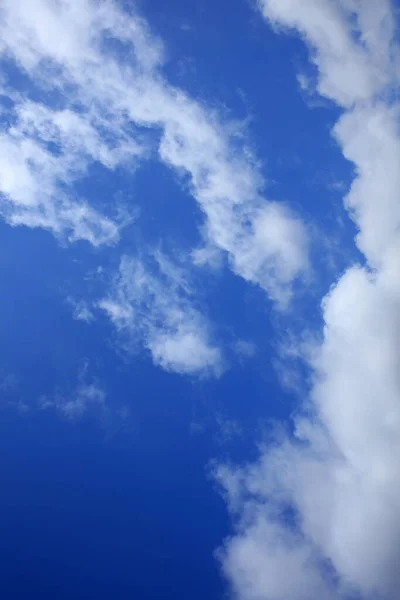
<point>88,400</point>
<point>47,146</point>
<point>318,516</point>
<point>104,69</point>
<point>150,303</point>
<point>86,397</point>
<point>244,349</point>
<point>350,42</point>
<point>43,152</point>
<point>81,310</point>
<point>228,430</point>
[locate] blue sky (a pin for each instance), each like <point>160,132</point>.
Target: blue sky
<point>200,313</point>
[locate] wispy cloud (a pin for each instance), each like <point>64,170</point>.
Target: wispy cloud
<point>84,398</point>
<point>87,398</point>
<point>103,70</point>
<point>150,303</point>
<point>318,515</point>
<point>81,310</point>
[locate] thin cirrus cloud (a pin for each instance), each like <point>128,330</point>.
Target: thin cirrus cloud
<point>318,515</point>
<point>105,69</point>
<point>86,397</point>
<point>80,310</point>
<point>150,304</point>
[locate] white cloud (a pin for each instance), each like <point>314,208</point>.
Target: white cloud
<point>107,68</point>
<point>86,397</point>
<point>36,182</point>
<point>318,516</point>
<point>46,147</point>
<point>350,42</point>
<point>150,303</point>
<point>369,138</point>
<point>81,310</point>
<point>88,400</point>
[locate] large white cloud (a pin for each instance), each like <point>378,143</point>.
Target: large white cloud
<point>106,69</point>
<point>318,516</point>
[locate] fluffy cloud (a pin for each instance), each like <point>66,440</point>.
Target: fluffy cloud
<point>150,303</point>
<point>103,70</point>
<point>318,516</point>
<point>350,42</point>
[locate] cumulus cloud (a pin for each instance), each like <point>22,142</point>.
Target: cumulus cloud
<point>350,41</point>
<point>104,69</point>
<point>318,515</point>
<point>150,303</point>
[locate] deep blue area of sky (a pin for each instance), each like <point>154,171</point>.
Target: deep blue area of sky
<point>126,509</point>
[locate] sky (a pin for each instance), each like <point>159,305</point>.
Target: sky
<point>200,317</point>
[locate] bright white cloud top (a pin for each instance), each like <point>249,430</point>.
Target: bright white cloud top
<point>318,515</point>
